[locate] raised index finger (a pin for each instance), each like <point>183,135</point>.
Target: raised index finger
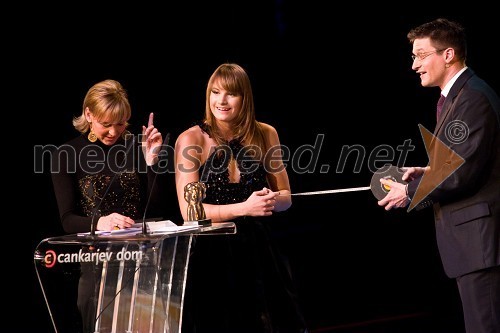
<point>151,118</point>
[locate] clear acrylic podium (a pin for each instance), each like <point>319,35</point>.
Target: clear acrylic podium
<point>128,283</point>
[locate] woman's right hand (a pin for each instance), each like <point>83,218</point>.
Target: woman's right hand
<point>114,221</point>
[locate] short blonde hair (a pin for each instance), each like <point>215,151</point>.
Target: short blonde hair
<point>108,98</point>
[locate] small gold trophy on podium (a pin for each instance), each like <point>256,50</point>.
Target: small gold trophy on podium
<point>194,193</point>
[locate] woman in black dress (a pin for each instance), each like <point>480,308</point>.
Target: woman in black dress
<point>236,283</point>
<point>103,177</point>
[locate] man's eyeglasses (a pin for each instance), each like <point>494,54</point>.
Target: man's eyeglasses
<point>422,56</point>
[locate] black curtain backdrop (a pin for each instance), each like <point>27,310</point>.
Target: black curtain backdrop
<point>319,75</point>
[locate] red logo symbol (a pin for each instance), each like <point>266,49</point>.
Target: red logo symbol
<point>50,258</point>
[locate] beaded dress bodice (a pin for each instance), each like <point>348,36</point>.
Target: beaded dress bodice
<point>97,180</point>
<point>123,196</point>
<point>215,174</point>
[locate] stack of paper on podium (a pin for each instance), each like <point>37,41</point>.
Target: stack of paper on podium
<point>164,226</point>
<point>153,227</point>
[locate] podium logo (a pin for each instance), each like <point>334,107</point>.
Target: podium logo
<point>50,258</point>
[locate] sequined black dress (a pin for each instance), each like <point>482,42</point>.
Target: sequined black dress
<point>238,283</point>
<point>93,179</point>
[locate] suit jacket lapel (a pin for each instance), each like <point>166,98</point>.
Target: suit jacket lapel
<point>450,99</point>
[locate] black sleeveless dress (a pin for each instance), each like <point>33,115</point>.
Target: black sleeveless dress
<point>238,283</point>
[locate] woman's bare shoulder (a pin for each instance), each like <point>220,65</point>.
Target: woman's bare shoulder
<point>269,132</point>
<point>192,135</point>
<point>267,128</point>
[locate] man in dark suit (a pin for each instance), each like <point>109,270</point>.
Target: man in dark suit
<point>465,195</point>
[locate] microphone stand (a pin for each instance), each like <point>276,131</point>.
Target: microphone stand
<point>144,223</point>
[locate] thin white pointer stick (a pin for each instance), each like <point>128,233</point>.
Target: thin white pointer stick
<point>351,189</point>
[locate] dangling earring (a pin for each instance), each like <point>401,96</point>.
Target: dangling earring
<point>92,137</point>
<point>125,134</point>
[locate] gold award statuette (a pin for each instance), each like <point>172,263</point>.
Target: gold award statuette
<point>194,193</point>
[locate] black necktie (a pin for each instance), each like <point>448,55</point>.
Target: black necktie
<point>440,106</point>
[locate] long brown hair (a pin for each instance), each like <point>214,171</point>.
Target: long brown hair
<point>247,129</point>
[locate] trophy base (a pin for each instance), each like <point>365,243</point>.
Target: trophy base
<point>202,223</point>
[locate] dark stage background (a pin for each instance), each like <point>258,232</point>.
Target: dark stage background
<point>315,71</point>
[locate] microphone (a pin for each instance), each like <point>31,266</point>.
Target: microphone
<point>94,214</point>
<point>144,224</point>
